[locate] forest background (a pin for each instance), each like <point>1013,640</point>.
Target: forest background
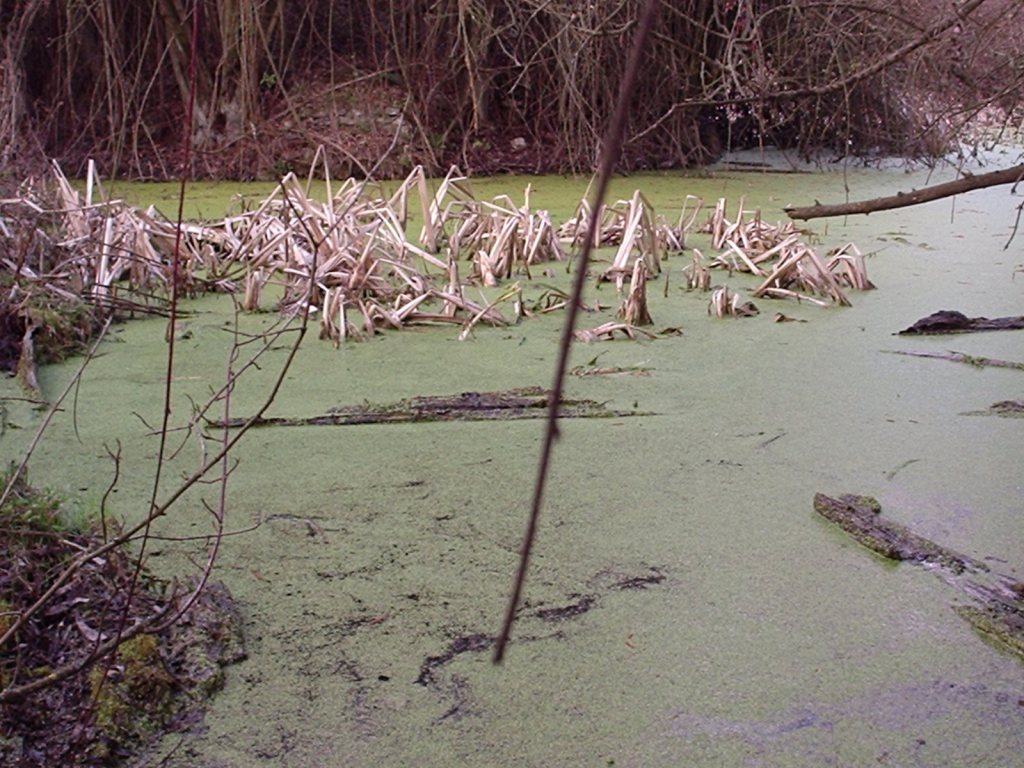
<point>493,85</point>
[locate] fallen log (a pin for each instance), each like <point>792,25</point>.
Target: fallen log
<point>960,357</point>
<point>966,183</point>
<point>997,611</point>
<point>512,404</point>
<point>951,321</point>
<point>860,516</point>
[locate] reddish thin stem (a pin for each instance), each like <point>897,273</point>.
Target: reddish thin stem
<point>609,157</point>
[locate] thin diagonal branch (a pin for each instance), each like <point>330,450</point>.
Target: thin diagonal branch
<point>609,157</point>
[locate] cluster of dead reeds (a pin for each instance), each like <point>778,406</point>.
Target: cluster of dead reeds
<point>115,254</point>
<point>635,229</point>
<point>779,254</point>
<point>352,261</point>
<point>349,260</point>
<point>353,253</point>
<point>68,260</point>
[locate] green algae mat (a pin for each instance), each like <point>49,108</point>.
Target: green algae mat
<point>686,606</point>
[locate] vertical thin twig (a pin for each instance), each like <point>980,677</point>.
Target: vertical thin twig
<point>176,277</point>
<point>609,157</point>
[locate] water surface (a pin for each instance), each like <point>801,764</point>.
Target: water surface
<point>772,639</point>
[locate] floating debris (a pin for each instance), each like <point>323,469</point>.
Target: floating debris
<point>997,611</point>
<point>1013,409</point>
<point>609,331</point>
<point>974,361</point>
<point>860,517</point>
<point>570,611</point>
<point>463,644</point>
<point>511,404</point>
<point>951,321</point>
<point>609,370</point>
<point>998,621</point>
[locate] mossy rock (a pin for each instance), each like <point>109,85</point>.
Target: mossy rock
<point>206,639</point>
<point>133,695</point>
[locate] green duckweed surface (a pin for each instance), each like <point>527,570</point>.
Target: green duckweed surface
<point>723,622</point>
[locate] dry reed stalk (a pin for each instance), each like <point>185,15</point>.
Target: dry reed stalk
<point>784,293</point>
<point>634,310</point>
<point>824,281</point>
<point>779,274</point>
<point>454,288</point>
<point>608,331</point>
<point>488,312</point>
<point>639,239</point>
<point>725,302</point>
<point>685,222</point>
<point>697,275</point>
<point>102,277</point>
<point>747,261</point>
<point>852,269</point>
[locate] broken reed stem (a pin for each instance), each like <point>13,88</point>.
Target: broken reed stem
<point>609,156</point>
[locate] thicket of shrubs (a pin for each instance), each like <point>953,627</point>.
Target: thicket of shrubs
<point>111,79</point>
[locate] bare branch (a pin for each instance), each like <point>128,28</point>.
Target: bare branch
<point>914,197</point>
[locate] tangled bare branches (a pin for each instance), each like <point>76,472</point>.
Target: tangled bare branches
<point>489,85</point>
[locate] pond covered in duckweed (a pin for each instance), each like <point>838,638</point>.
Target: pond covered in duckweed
<point>685,605</point>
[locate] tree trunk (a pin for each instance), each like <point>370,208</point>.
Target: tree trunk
<point>914,197</point>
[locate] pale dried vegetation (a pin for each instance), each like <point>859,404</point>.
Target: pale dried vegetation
<point>356,263</point>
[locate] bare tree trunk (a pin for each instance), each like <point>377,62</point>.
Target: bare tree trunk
<point>914,197</point>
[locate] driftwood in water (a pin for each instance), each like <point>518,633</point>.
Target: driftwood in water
<point>860,516</point>
<point>960,357</point>
<point>997,611</point>
<point>951,321</point>
<point>525,403</point>
<point>1005,408</point>
<point>914,197</point>
<point>998,620</point>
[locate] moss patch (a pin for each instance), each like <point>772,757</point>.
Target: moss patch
<point>111,707</point>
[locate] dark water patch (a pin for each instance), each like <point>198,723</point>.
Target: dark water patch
<point>570,611</point>
<point>641,582</point>
<point>473,643</point>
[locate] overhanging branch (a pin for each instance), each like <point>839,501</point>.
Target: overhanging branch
<point>914,197</point>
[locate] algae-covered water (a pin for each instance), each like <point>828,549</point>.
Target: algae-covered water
<point>710,617</point>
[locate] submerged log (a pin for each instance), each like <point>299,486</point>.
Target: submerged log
<point>997,610</point>
<point>998,621</point>
<point>951,321</point>
<point>860,516</point>
<point>960,357</point>
<point>524,403</point>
